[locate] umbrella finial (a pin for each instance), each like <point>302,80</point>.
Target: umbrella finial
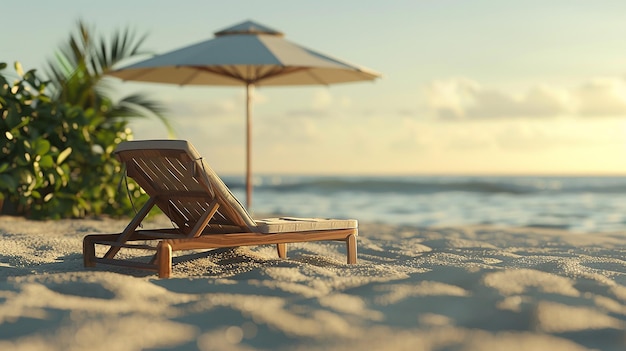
<point>248,27</point>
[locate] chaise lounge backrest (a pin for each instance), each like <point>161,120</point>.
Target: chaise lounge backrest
<point>183,185</point>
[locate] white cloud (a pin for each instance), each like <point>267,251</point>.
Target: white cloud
<point>461,98</point>
<point>450,98</point>
<point>602,97</point>
<point>466,99</point>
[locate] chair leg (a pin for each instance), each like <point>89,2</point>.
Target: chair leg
<point>351,246</point>
<point>130,228</point>
<point>282,250</point>
<point>89,252</point>
<point>164,259</point>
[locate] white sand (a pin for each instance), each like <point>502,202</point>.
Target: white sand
<point>469,288</point>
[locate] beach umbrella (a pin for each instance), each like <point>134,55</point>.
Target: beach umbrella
<point>247,54</point>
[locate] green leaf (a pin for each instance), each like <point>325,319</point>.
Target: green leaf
<point>44,98</point>
<point>63,155</point>
<point>8,182</point>
<point>46,161</point>
<point>26,177</point>
<point>4,167</point>
<point>41,147</point>
<point>12,118</point>
<point>19,69</point>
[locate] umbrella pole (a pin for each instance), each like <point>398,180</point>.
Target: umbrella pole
<point>249,88</point>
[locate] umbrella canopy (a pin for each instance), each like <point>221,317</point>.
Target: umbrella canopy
<point>245,54</point>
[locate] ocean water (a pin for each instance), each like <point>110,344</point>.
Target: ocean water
<point>579,204</point>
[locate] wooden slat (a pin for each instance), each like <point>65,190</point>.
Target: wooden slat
<point>158,234</point>
<point>165,177</point>
<point>126,245</point>
<point>197,229</point>
<point>251,239</point>
<point>128,154</point>
<point>128,263</point>
<point>180,195</point>
<point>130,229</point>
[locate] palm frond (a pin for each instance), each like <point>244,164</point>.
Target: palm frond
<point>77,75</point>
<point>140,106</point>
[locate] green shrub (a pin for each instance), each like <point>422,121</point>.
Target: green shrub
<point>56,158</point>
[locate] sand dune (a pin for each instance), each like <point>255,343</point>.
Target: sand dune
<point>464,288</point>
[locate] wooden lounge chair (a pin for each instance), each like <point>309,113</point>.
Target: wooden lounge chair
<point>204,213</point>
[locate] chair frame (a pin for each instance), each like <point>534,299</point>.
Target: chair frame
<point>198,235</point>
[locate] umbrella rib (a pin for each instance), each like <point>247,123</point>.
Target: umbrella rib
<point>189,78</point>
<point>219,71</point>
<point>282,71</point>
<point>258,76</point>
<point>316,78</point>
<point>137,75</point>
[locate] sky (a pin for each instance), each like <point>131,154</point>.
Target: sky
<point>475,87</point>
